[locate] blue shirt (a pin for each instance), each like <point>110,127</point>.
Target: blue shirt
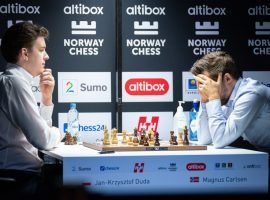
<point>246,114</point>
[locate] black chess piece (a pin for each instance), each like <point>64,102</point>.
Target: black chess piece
<point>185,142</point>
<point>146,143</point>
<point>142,137</point>
<point>135,133</point>
<point>157,140</point>
<point>172,136</point>
<point>135,136</point>
<point>174,142</point>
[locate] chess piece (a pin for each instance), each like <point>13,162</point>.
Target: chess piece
<point>124,140</point>
<point>69,140</point>
<point>157,140</point>
<point>174,142</point>
<point>135,137</point>
<point>171,137</point>
<point>106,140</point>
<point>130,139</point>
<point>114,136</point>
<point>151,137</point>
<point>146,141</point>
<point>180,138</point>
<point>185,142</point>
<point>142,136</point>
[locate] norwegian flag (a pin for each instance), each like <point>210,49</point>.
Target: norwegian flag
<point>194,179</point>
<point>86,184</point>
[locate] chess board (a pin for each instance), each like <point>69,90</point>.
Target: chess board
<point>164,146</point>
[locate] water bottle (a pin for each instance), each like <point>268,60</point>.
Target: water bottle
<point>192,121</point>
<point>73,121</point>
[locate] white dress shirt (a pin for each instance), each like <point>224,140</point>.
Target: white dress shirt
<point>246,114</point>
<point>24,126</point>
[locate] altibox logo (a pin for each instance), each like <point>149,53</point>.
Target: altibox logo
<point>196,166</point>
<point>145,10</point>
<point>17,8</point>
<point>259,10</point>
<point>206,10</point>
<point>152,125</point>
<point>138,167</point>
<point>147,86</point>
<point>81,9</point>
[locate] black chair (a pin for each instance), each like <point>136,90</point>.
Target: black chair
<point>7,185</point>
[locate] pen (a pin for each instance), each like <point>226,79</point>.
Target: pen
<point>105,152</point>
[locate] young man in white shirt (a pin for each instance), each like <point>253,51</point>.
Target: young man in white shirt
<point>231,107</point>
<point>25,127</point>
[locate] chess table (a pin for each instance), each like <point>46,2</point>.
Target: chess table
<point>160,172</point>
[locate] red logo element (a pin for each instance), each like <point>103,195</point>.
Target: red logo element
<point>138,167</point>
<point>148,125</point>
<point>196,166</point>
<point>86,184</point>
<point>194,179</point>
<point>147,86</point>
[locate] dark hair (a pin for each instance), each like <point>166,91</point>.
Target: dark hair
<point>20,35</point>
<point>214,63</point>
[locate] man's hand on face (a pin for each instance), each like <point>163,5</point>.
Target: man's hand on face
<point>46,85</point>
<point>208,89</point>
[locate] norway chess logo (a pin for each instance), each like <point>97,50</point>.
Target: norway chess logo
<point>83,28</point>
<point>10,22</point>
<point>260,46</point>
<point>138,167</point>
<point>206,28</point>
<point>152,125</point>
<point>262,28</point>
<point>145,28</point>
